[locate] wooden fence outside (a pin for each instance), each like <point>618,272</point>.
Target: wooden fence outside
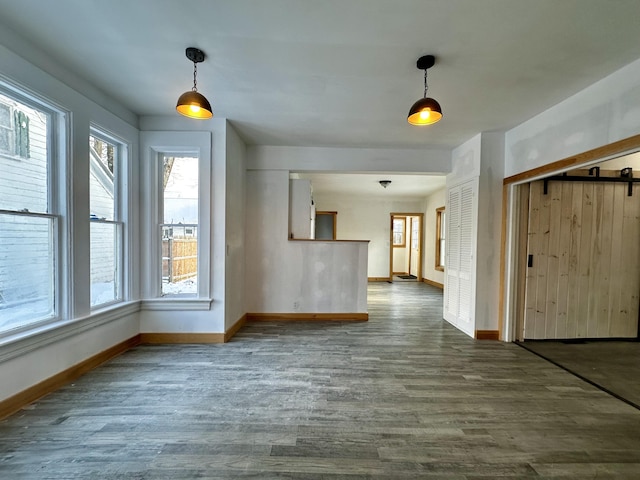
<point>179,259</point>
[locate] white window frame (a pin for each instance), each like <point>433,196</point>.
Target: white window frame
<point>403,243</point>
<point>120,210</point>
<point>441,236</point>
<point>58,184</point>
<point>155,145</point>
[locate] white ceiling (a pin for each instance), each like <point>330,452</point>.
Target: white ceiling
<point>337,72</point>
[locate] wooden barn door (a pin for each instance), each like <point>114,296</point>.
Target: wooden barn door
<point>583,275</point>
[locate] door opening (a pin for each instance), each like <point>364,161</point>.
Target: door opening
<point>326,225</point>
<point>405,246</point>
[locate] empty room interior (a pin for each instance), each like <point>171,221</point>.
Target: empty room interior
<point>290,239</point>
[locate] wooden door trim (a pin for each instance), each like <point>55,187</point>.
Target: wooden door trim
<point>600,154</point>
<point>335,220</point>
<point>420,243</point>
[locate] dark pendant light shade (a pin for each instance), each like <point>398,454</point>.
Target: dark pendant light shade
<point>425,111</point>
<point>193,104</point>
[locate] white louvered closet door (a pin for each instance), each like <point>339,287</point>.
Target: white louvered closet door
<point>452,253</point>
<point>460,267</point>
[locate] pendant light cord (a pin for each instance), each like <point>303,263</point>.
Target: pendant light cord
<point>426,87</point>
<point>195,71</point>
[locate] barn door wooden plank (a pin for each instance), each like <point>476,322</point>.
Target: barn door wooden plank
<point>554,200</point>
<point>603,275</point>
<point>542,260</point>
<point>595,261</point>
<point>573,284</point>
<point>617,318</point>
<point>564,249</point>
<point>584,261</point>
<point>631,263</point>
<point>532,248</point>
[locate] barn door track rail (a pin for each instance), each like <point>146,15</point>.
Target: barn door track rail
<point>626,176</point>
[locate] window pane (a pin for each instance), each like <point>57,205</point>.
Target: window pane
<point>180,228</point>
<point>179,259</point>
<point>102,162</point>
<point>398,231</point>
<point>180,189</point>
<point>26,269</point>
<point>106,228</point>
<point>23,157</point>
<point>105,248</point>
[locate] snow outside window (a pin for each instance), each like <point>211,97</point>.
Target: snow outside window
<point>28,218</point>
<point>179,228</point>
<point>106,229</point>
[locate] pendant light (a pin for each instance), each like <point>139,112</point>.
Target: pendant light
<point>193,104</point>
<point>425,111</point>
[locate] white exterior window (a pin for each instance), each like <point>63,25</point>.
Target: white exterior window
<point>179,228</point>
<point>29,216</point>
<point>107,226</point>
<point>176,200</point>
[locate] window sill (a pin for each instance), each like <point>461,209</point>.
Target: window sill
<point>11,156</point>
<point>21,343</point>
<point>173,304</point>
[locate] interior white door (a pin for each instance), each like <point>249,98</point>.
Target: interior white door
<point>459,301</point>
<point>414,246</point>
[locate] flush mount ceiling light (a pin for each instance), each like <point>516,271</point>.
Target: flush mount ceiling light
<point>426,110</point>
<point>384,183</point>
<point>193,104</point>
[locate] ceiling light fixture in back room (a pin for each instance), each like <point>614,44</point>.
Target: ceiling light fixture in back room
<point>425,111</point>
<point>193,104</point>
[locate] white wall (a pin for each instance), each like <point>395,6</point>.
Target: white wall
<point>481,158</point>
<point>288,276</point>
<point>364,218</point>
<point>604,112</point>
<point>323,159</point>
<point>81,333</point>
<point>235,228</point>
<point>433,201</point>
<point>489,231</point>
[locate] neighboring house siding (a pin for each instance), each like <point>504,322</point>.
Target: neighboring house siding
<point>24,240</point>
<point>102,243</point>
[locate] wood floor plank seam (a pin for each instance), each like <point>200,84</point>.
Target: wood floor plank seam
<point>581,377</point>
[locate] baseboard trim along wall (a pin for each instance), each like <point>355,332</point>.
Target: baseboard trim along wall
<point>31,394</point>
<point>487,335</point>
<point>378,279</point>
<point>322,317</point>
<point>433,283</point>
<point>169,338</point>
<point>177,337</point>
<point>234,328</point>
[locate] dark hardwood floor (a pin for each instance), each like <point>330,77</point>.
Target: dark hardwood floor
<point>402,396</point>
<point>611,365</point>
